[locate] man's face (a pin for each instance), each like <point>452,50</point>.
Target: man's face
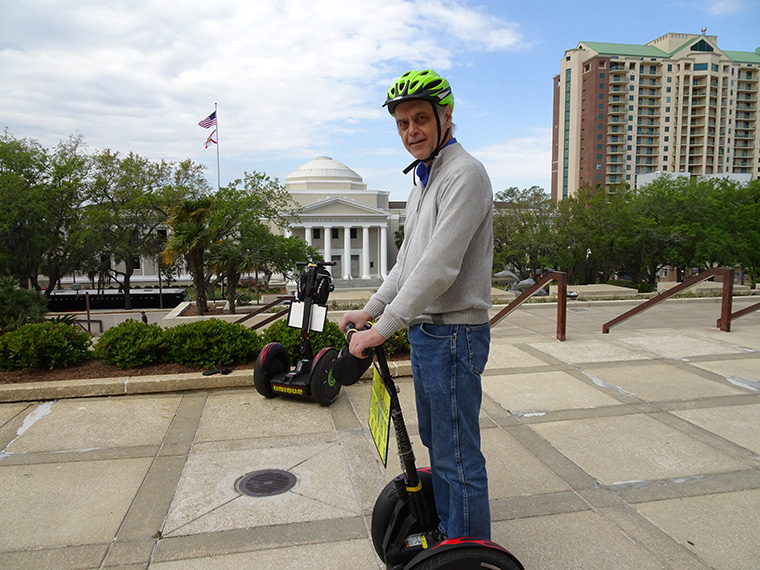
<point>417,127</point>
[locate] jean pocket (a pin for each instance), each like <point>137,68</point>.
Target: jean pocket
<point>478,345</point>
<point>437,331</point>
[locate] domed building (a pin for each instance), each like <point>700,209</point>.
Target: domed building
<point>343,220</point>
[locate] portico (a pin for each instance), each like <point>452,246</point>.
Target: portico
<point>345,222</point>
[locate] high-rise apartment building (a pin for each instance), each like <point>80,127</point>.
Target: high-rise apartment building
<point>676,104</point>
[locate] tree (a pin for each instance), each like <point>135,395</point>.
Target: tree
<point>524,237</point>
<point>65,242</point>
<point>235,211</point>
<point>130,198</point>
<point>23,167</point>
<point>191,235</point>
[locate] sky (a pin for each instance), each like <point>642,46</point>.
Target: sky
<point>298,79</point>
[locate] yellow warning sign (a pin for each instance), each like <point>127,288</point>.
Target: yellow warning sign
<point>380,416</point>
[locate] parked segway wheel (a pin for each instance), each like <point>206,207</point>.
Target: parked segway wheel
<point>385,506</point>
<point>272,360</point>
<point>324,387</point>
<point>458,556</point>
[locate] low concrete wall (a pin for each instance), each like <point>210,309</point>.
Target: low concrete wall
<point>175,317</point>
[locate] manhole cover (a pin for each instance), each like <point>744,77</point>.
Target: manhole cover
<point>265,483</point>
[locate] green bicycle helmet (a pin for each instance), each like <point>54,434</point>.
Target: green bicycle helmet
<point>426,85</point>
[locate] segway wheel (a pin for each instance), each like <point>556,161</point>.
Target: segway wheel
<point>324,387</point>
<point>468,558</point>
<point>272,361</point>
<point>385,506</point>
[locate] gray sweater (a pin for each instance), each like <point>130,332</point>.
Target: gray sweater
<point>443,270</point>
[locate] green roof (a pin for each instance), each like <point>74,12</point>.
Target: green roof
<point>743,56</point>
<point>632,50</point>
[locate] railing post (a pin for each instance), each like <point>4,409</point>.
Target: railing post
<point>561,279</point>
<point>561,304</point>
<point>725,305</point>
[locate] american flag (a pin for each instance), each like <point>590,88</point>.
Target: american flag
<point>210,138</point>
<point>209,121</point>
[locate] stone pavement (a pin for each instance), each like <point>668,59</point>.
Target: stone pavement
<point>638,449</point>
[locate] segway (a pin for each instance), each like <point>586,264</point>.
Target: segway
<point>404,525</point>
<point>312,376</point>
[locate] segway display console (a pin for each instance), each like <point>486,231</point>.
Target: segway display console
<point>311,378</point>
<point>404,527</point>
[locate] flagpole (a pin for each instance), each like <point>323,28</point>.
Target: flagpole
<point>218,176</point>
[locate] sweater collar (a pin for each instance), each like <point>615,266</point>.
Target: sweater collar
<point>423,171</point>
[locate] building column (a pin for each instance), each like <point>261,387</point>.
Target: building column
<point>384,251</point>
<point>328,246</point>
<point>365,252</point>
<point>346,252</point>
<point>308,235</point>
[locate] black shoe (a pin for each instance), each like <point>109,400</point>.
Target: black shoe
<point>426,540</point>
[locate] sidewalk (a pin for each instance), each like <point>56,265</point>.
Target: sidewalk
<point>638,449</point>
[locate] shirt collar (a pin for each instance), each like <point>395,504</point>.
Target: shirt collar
<point>423,172</point>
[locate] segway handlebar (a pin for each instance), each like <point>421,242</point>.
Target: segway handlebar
<point>305,263</point>
<point>349,331</point>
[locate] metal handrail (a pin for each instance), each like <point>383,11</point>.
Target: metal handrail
<point>741,313</point>
<point>274,317</point>
<point>724,323</point>
<point>561,278</point>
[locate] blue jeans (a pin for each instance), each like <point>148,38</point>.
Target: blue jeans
<point>447,361</point>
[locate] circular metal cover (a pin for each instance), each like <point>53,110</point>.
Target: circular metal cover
<point>265,483</point>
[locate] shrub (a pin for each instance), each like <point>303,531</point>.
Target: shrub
<point>131,344</point>
<point>19,306</point>
<point>290,338</point>
<point>44,345</point>
<point>211,343</point>
<point>398,343</point>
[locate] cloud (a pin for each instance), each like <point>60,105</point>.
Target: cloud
<point>722,8</point>
<point>522,161</point>
<point>287,74</point>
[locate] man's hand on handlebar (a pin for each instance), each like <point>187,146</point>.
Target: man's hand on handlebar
<point>363,339</point>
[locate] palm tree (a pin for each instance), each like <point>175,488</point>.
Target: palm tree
<point>192,234</point>
<point>230,259</point>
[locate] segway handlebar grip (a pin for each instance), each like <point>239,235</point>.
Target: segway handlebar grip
<point>349,331</point>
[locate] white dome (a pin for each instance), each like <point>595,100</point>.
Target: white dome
<point>323,168</point>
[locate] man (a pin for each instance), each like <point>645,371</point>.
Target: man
<point>440,287</point>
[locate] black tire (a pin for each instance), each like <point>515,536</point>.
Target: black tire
<point>324,387</point>
<point>469,558</point>
<point>386,504</point>
<point>272,360</point>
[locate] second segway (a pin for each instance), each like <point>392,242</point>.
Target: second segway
<point>311,378</point>
<point>404,525</point>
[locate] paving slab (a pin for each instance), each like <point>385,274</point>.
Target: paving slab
<point>682,346</point>
<point>504,354</point>
<point>720,529</point>
<point>572,541</point>
<point>742,373</point>
<point>66,504</point>
<point>207,499</point>
<point>246,414</point>
<point>538,392</point>
<point>341,555</point>
<point>658,382</point>
<point>738,424</point>
<point>90,423</point>
<point>576,351</point>
<point>615,450</point>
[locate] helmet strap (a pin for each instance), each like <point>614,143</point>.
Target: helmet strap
<point>438,146</point>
